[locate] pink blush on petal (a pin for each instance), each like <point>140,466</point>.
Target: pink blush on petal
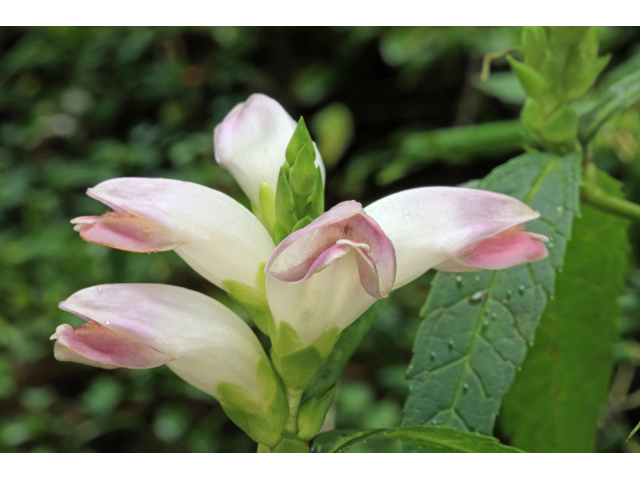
<point>124,231</point>
<point>507,249</point>
<point>102,345</point>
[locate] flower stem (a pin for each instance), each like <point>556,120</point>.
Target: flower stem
<point>293,397</point>
<point>593,195</point>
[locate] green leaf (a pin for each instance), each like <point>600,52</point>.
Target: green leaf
<point>478,325</point>
<point>555,401</point>
<point>433,439</point>
<point>618,97</point>
<point>633,432</point>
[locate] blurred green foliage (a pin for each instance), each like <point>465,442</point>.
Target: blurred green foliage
<point>81,105</point>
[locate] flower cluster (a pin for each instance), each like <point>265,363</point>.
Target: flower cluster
<point>320,277</point>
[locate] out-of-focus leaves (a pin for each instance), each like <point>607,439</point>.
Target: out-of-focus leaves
<point>478,325</point>
<point>333,130</point>
<point>454,146</point>
<point>433,439</point>
<point>555,401</point>
<point>504,86</point>
<point>618,97</point>
<point>103,396</point>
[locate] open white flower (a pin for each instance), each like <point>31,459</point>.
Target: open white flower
<point>206,344</point>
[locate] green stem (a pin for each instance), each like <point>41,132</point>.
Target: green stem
<point>593,195</point>
<point>293,397</point>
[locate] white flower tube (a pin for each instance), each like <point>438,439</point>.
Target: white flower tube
<point>201,340</point>
<point>327,274</point>
<point>456,229</point>
<point>251,143</point>
<point>214,234</point>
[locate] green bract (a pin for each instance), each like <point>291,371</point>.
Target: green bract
<point>560,65</point>
<point>299,197</point>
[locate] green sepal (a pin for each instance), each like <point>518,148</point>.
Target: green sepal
<point>532,81</point>
<point>560,37</point>
<point>263,420</point>
<point>534,45</point>
<point>580,79</point>
<point>589,46</point>
<point>291,445</point>
<point>252,300</point>
<point>256,426</point>
<point>288,444</point>
<point>301,224</point>
<point>296,363</point>
<point>268,206</point>
<point>300,145</point>
<point>279,233</point>
<point>315,207</point>
<point>562,127</point>
<point>285,204</point>
<point>313,412</point>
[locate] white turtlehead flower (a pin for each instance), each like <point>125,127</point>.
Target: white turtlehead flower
<point>217,236</point>
<point>328,273</point>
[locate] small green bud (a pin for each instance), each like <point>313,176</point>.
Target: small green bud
<point>315,208</point>
<point>561,127</point>
<point>279,233</point>
<point>285,204</point>
<point>302,177</point>
<point>268,205</point>
<point>255,209</point>
<point>300,145</point>
<point>581,76</point>
<point>533,82</point>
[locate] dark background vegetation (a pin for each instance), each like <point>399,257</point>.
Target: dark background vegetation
<point>82,105</point>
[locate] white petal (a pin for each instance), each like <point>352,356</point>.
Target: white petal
<point>213,233</point>
<point>332,297</point>
<point>251,143</point>
<point>200,339</point>
<point>429,225</point>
